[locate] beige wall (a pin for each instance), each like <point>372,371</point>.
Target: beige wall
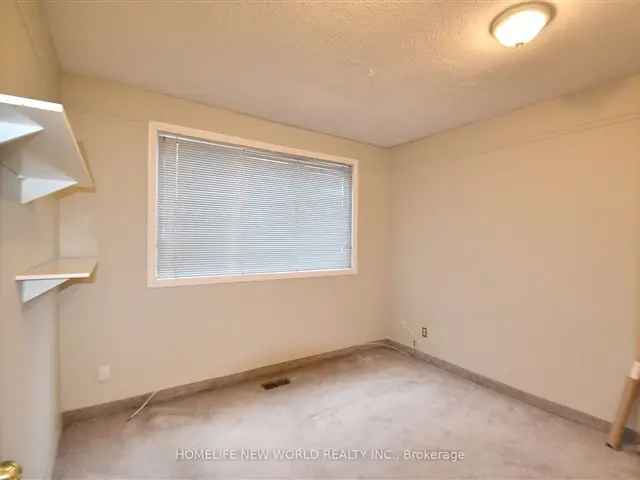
<point>516,241</point>
<point>29,411</point>
<point>155,338</point>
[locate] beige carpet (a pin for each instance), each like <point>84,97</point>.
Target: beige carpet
<point>373,414</point>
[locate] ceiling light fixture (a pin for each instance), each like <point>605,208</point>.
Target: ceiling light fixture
<point>520,24</point>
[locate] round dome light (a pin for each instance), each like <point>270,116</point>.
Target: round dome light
<point>520,24</point>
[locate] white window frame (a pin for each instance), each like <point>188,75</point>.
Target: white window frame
<point>152,281</point>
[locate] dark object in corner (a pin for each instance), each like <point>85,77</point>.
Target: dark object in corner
<point>276,383</point>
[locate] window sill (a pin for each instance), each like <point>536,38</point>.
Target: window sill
<point>153,282</point>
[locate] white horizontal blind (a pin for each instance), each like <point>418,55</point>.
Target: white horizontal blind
<point>225,210</point>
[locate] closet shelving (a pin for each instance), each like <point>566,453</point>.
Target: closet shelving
<point>41,156</point>
<point>46,276</point>
<point>39,149</point>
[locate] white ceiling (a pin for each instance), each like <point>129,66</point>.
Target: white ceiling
<point>378,72</point>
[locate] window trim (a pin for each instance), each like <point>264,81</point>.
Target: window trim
<point>152,195</point>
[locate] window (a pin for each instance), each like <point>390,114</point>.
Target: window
<point>226,209</point>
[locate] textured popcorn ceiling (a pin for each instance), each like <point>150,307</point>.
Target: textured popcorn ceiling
<point>379,72</point>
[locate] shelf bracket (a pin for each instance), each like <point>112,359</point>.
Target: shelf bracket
<point>26,189</point>
<point>32,188</point>
<point>33,288</point>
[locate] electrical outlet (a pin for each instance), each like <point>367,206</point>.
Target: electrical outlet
<point>104,373</point>
<point>425,332</point>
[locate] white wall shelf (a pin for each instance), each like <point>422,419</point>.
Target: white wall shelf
<point>38,147</point>
<point>46,276</point>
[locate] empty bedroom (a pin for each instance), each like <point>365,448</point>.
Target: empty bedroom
<point>329,240</point>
